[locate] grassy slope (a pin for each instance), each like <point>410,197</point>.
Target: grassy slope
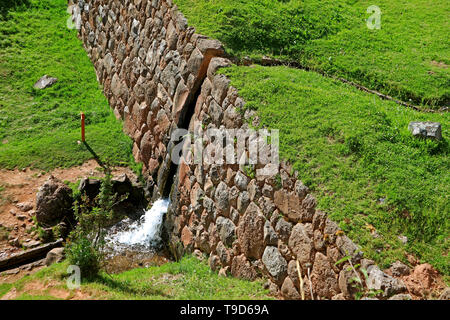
<point>332,36</point>
<point>40,128</point>
<point>188,279</point>
<point>353,149</point>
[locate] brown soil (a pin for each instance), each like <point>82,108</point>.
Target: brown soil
<point>20,187</point>
<point>51,288</point>
<point>439,64</point>
<point>423,282</point>
<point>131,260</point>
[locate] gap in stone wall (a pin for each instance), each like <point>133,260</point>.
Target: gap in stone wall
<point>187,113</point>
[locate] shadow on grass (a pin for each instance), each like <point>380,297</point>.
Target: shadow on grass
<point>96,157</point>
<point>8,5</point>
<point>125,288</point>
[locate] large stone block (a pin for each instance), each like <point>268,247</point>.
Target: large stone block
<point>251,232</point>
<point>275,264</point>
<point>426,130</point>
<point>301,245</point>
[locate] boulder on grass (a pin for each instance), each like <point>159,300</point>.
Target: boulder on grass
<point>45,82</point>
<point>426,130</point>
<point>54,203</point>
<point>54,256</point>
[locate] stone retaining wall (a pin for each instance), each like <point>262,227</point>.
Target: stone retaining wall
<point>159,75</point>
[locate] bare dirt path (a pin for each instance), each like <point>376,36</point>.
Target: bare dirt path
<point>18,190</point>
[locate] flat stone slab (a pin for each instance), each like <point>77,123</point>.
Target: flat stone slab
<point>20,258</point>
<point>45,82</point>
<point>426,129</point>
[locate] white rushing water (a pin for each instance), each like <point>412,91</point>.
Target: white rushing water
<point>147,230</point>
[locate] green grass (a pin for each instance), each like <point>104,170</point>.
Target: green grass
<point>40,128</point>
<point>188,279</point>
<point>407,58</point>
<point>4,233</point>
<point>354,149</point>
<point>4,288</point>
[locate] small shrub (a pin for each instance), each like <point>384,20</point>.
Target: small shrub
<point>88,239</point>
<point>249,171</point>
<point>85,255</point>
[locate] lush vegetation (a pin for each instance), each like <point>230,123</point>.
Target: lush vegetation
<point>40,128</point>
<point>407,58</point>
<point>188,279</point>
<point>356,153</point>
<point>93,217</point>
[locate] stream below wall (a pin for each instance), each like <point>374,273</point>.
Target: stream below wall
<point>134,243</point>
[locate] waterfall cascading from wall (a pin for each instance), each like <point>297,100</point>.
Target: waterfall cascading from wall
<point>145,232</point>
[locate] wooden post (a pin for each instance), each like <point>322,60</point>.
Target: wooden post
<point>83,137</point>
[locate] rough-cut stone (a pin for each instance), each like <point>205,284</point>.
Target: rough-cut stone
<point>195,62</point>
<point>53,202</point>
<point>319,241</point>
<point>220,88</point>
<point>187,237</point>
<point>308,209</point>
<point>348,248</point>
<point>210,47</point>
<point>45,82</point>
<point>241,181</point>
<point>231,118</point>
<point>283,228</point>
<point>221,196</point>
<point>345,284</point>
<point>378,280</point>
<point>251,232</point>
<point>270,236</point>
<point>215,64</point>
<point>301,245</point>
<point>226,230</point>
<point>289,291</point>
<point>330,230</point>
<point>289,204</point>
<point>213,236</point>
<point>253,190</point>
<point>267,190</point>
<point>54,256</point>
<point>399,269</point>
<point>319,220</point>
<point>293,273</point>
<point>275,263</point>
<point>202,242</point>
<point>241,268</point>
<point>224,254</point>
<point>300,189</point>
<point>214,262</point>
<point>324,279</point>
<point>243,201</point>
<point>267,206</point>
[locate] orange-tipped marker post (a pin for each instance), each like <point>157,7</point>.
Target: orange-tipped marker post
<point>83,137</point>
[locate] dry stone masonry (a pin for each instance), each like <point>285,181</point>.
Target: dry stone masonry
<point>159,75</point>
